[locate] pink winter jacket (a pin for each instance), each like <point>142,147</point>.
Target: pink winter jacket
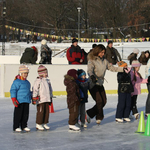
<point>42,87</point>
<point>137,84</point>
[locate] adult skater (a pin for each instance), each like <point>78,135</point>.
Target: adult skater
<point>97,66</point>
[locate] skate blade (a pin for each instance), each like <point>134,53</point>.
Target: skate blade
<point>39,129</point>
<point>74,131</point>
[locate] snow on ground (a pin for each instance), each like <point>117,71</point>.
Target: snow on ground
<point>124,48</point>
<point>108,135</point>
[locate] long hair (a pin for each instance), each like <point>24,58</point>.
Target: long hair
<point>98,49</point>
<point>134,77</point>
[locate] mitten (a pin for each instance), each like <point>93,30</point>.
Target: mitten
<point>51,101</point>
<point>148,79</point>
<point>15,102</point>
<point>93,78</point>
<point>34,100</point>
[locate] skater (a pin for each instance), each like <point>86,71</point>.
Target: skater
<point>46,53</point>
<point>75,54</point>
<point>21,98</point>
<point>144,57</point>
<point>97,66</point>
<point>125,88</point>
<point>133,55</point>
<point>42,96</point>
<point>83,84</point>
<point>137,80</point>
<point>73,95</point>
<point>147,75</point>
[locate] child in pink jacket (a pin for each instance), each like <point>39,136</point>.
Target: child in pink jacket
<point>42,95</point>
<point>137,80</point>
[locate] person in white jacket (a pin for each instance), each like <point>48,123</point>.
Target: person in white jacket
<point>42,96</point>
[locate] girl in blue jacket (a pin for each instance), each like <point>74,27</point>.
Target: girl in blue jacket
<point>21,98</point>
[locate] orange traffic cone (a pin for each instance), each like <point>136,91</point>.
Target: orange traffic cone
<point>51,108</point>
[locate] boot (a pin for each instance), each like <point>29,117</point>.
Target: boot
<point>46,126</point>
<point>98,121</point>
<point>127,119</point>
<point>83,125</point>
<point>18,130</point>
<point>136,116</point>
<point>119,120</point>
<point>73,128</point>
<point>39,127</point>
<point>26,129</point>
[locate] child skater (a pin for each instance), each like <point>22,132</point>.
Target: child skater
<point>42,92</point>
<point>83,83</point>
<point>21,98</point>
<point>136,79</point>
<point>125,88</point>
<point>73,94</point>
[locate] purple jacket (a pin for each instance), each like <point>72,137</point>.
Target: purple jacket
<point>137,83</point>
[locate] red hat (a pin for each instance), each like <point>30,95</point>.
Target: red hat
<point>72,73</point>
<point>35,49</point>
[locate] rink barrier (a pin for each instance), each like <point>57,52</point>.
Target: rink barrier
<point>59,93</point>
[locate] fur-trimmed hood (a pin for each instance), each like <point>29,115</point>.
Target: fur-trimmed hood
<point>92,57</point>
<point>68,79</point>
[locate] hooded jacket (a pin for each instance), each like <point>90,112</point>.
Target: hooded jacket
<point>132,57</point>
<point>42,88</point>
<point>97,66</point>
<point>72,89</point>
<point>142,59</point>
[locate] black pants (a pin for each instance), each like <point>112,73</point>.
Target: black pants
<point>133,104</point>
<point>21,115</point>
<point>99,95</point>
<point>124,105</point>
<point>148,101</point>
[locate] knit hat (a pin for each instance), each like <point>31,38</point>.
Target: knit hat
<point>80,73</point>
<point>23,69</point>
<point>33,47</point>
<point>74,40</point>
<point>122,64</point>
<point>72,73</point>
<point>43,42</point>
<point>136,51</point>
<point>41,70</point>
<point>110,41</point>
<point>135,63</point>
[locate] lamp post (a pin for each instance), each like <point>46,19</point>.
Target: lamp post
<point>79,8</point>
<point>4,31</point>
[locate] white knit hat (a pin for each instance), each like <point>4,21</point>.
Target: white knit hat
<point>135,63</point>
<point>136,51</point>
<point>43,42</point>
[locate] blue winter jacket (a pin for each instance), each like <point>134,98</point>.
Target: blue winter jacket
<point>20,89</point>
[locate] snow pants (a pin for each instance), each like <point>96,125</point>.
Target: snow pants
<point>133,104</point>
<point>124,105</point>
<point>81,114</point>
<point>21,115</point>
<point>99,95</point>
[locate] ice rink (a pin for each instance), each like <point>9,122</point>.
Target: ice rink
<point>109,135</point>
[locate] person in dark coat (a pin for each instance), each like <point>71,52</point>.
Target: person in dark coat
<point>112,55</point>
<point>74,54</point>
<point>133,55</point>
<point>46,53</point>
<point>85,57</point>
<point>73,98</point>
<point>29,56</point>
<point>144,57</point>
<point>125,88</point>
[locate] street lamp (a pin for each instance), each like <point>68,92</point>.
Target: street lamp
<point>4,31</point>
<point>79,8</point>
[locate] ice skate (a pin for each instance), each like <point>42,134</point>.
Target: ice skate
<point>127,119</point>
<point>46,126</point>
<point>73,128</point>
<point>146,115</point>
<point>119,120</point>
<point>26,129</point>
<point>98,122</point>
<point>136,116</point>
<point>39,127</point>
<point>18,130</point>
<point>88,119</point>
<point>83,125</point>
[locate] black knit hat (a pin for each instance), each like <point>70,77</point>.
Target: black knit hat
<point>80,72</point>
<point>110,41</point>
<point>74,40</point>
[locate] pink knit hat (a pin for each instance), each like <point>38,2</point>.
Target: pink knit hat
<point>41,70</point>
<point>136,63</point>
<point>23,69</point>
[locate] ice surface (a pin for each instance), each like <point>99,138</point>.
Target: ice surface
<point>109,135</point>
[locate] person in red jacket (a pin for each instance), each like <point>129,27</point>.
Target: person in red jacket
<point>75,54</point>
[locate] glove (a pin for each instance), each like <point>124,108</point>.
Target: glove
<point>34,100</point>
<point>148,79</point>
<point>51,101</point>
<point>93,78</point>
<point>15,102</point>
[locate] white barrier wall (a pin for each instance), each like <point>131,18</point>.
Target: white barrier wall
<point>56,75</point>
